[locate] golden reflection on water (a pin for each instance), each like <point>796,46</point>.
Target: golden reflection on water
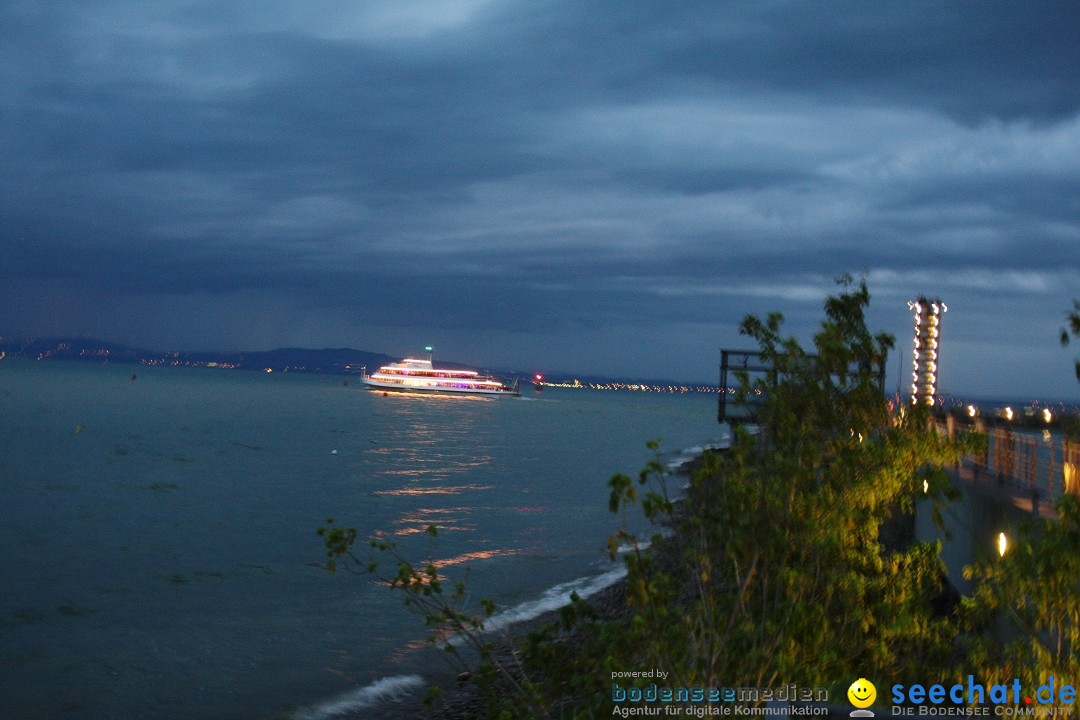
<point>404,395</point>
<point>423,451</point>
<point>407,649</point>
<point>439,464</point>
<point>420,519</point>
<point>456,560</point>
<point>431,439</point>
<point>433,490</point>
<point>475,555</point>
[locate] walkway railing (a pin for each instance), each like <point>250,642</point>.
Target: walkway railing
<point>1042,464</point>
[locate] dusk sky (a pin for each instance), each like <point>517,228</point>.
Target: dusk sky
<point>592,187</point>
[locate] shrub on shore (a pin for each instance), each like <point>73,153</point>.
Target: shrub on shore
<point>775,572</point>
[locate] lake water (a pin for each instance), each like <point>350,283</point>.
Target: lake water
<point>159,549</point>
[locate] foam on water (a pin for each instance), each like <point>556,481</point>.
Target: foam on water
<point>640,545</point>
<point>390,688</point>
<point>554,598</point>
<point>395,687</point>
<point>677,459</point>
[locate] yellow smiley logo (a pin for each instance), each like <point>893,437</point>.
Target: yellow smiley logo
<point>862,693</point>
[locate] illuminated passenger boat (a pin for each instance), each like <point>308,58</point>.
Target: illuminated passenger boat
<point>415,375</point>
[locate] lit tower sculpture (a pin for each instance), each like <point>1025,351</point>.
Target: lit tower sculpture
<point>927,336</point>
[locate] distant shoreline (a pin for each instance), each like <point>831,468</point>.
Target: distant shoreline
<point>325,361</point>
<point>346,362</point>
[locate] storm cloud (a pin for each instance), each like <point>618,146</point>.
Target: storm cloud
<point>558,186</point>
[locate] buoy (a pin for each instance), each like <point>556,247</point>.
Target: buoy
<point>333,452</point>
<point>78,429</point>
<point>133,376</point>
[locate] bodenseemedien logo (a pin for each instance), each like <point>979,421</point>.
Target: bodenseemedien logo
<point>862,694</point>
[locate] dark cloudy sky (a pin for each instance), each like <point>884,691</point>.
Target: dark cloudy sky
<point>595,186</point>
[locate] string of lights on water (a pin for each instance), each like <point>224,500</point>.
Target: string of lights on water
<point>539,383</point>
<point>1046,412</point>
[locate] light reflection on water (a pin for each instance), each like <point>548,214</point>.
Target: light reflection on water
<point>440,465</point>
<point>456,560</point>
<point>433,490</point>
<point>434,437</point>
<point>446,519</point>
<point>475,555</point>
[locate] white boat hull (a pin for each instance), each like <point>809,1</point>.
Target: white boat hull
<point>434,387</point>
<point>375,384</point>
<point>413,375</point>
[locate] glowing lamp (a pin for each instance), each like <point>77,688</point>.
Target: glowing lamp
<point>1002,544</point>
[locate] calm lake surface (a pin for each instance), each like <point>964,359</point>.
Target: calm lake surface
<point>160,556</point>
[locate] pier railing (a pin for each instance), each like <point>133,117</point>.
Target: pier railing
<point>1043,464</point>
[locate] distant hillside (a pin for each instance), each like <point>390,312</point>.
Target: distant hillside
<point>330,360</point>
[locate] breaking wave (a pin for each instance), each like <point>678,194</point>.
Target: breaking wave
<point>389,688</point>
<point>554,598</point>
<point>397,686</point>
